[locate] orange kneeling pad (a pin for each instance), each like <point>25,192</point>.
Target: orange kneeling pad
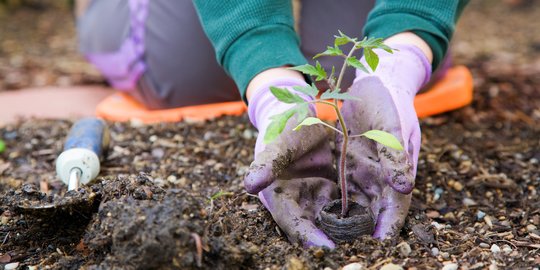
<point>453,91</point>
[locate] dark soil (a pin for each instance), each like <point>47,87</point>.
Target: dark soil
<point>170,196</point>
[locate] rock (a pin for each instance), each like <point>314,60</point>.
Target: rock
<point>404,249</point>
<point>158,153</point>
<point>295,264</point>
<point>248,134</point>
<point>458,186</point>
<point>435,251</point>
<point>11,266</point>
<point>391,266</point>
<point>495,249</point>
<point>468,202</point>
<point>450,266</point>
<point>450,216</point>
<point>445,255</point>
<point>480,215</point>
<point>353,266</point>
<point>318,253</point>
<point>438,193</point>
<point>507,249</point>
<point>531,228</point>
<point>493,266</point>
<point>433,214</point>
<point>484,245</point>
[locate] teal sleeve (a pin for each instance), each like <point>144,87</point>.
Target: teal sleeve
<point>250,36</point>
<point>432,20</point>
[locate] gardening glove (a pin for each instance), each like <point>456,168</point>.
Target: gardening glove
<point>291,174</point>
<point>380,177</point>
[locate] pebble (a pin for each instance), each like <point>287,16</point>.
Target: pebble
<point>531,228</point>
<point>450,266</point>
<point>391,266</point>
<point>495,249</point>
<point>435,251</point>
<point>438,193</point>
<point>248,134</point>
<point>507,249</point>
<point>405,249</point>
<point>445,255</point>
<point>433,214</point>
<point>450,216</point>
<point>487,219</point>
<point>468,202</point>
<point>353,266</point>
<point>11,266</point>
<point>480,215</point>
<point>295,264</point>
<point>458,186</point>
<point>493,266</point>
<point>437,225</point>
<point>484,245</point>
<point>319,253</point>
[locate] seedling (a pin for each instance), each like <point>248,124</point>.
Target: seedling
<point>331,97</point>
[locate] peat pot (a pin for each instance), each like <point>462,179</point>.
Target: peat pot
<point>359,221</point>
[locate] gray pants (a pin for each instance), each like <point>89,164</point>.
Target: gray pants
<point>177,62</point>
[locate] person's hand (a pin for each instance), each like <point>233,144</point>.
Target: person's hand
<point>292,175</point>
<point>382,178</point>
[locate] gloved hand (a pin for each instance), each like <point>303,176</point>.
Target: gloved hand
<point>292,175</point>
<point>379,177</point>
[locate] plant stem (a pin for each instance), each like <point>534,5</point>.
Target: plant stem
<point>343,156</point>
<point>342,166</point>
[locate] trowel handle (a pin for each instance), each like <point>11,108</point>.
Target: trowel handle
<point>84,147</point>
<point>88,133</point>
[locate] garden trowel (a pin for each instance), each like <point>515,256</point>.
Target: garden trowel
<point>79,163</point>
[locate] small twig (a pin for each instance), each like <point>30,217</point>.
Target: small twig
<point>5,239</point>
<point>198,244</point>
<point>376,265</point>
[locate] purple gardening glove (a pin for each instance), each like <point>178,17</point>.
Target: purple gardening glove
<point>379,177</point>
<point>292,175</point>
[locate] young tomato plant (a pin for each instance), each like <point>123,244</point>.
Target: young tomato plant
<point>331,97</point>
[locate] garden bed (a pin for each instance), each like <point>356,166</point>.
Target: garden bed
<point>475,202</point>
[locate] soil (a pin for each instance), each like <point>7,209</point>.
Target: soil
<point>171,196</point>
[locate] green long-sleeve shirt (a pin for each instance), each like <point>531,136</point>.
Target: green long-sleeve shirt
<point>250,36</point>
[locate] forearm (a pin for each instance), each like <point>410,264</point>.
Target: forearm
<point>431,20</point>
<point>259,36</point>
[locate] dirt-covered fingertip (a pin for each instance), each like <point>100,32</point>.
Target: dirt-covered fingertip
<point>258,179</point>
<point>317,238</point>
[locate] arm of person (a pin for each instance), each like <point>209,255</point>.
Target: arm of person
<point>252,36</point>
<point>418,22</point>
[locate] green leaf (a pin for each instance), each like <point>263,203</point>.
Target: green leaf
<point>286,96</point>
<point>330,51</point>
<point>2,146</point>
<point>277,125</point>
<point>337,95</point>
<point>352,61</point>
<point>308,122</point>
<point>310,90</point>
<point>374,43</point>
<point>343,39</point>
<point>371,58</point>
<point>316,71</point>
<point>383,138</point>
<point>302,111</point>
